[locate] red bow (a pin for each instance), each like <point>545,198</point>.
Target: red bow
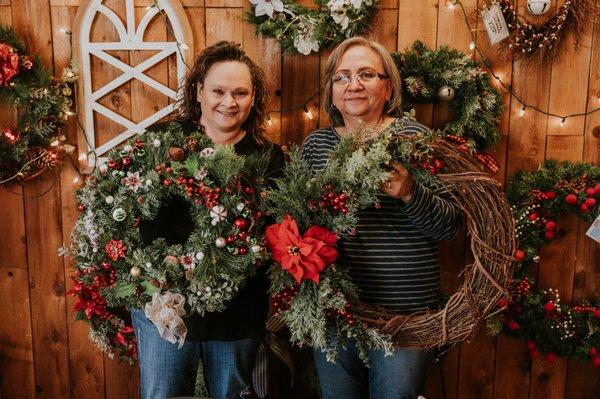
<point>9,64</point>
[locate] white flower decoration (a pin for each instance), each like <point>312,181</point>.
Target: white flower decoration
<point>188,262</point>
<point>132,181</point>
<point>218,213</point>
<point>305,43</point>
<point>207,152</point>
<point>337,8</point>
<point>266,7</point>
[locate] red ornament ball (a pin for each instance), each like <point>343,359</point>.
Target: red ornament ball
<point>550,225</point>
<point>242,250</point>
<point>584,208</point>
<point>590,202</point>
<point>593,352</point>
<point>549,234</point>
<point>519,255</point>
<point>550,195</point>
<point>590,192</point>
<point>533,217</point>
<point>596,361</point>
<point>10,135</point>
<point>571,199</point>
<point>81,207</point>
<point>549,307</point>
<point>597,313</point>
<point>241,223</point>
<point>551,357</point>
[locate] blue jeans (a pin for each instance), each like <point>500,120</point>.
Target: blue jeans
<point>167,371</point>
<point>389,377</point>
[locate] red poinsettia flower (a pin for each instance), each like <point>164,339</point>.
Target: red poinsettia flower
<point>304,257</point>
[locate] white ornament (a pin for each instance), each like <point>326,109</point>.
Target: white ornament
<point>207,152</point>
<point>446,93</point>
<point>256,249</point>
<point>199,255</point>
<point>200,174</point>
<point>240,207</point>
<point>266,7</point>
<point>218,213</point>
<point>119,214</point>
<point>148,265</point>
<point>220,242</point>
<point>103,168</point>
<point>156,143</point>
<point>109,199</point>
<point>538,7</point>
<point>135,271</point>
<point>127,148</point>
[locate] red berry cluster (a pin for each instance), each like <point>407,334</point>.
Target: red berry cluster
<point>585,202</point>
<point>122,163</point>
<point>432,164</point>
<point>334,201</point>
<point>593,352</point>
<point>586,309</point>
<point>539,195</point>
<point>549,225</point>
<point>344,314</point>
<point>283,299</point>
<point>523,288</point>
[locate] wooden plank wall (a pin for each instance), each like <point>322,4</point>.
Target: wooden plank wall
<point>45,354</point>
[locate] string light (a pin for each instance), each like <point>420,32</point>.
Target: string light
<point>308,112</point>
<point>522,111</point>
<point>451,4</point>
<point>76,180</point>
<point>64,31</point>
<point>562,122</point>
<point>472,46</point>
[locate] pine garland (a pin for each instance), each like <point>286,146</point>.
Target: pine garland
<point>35,142</point>
<point>539,199</point>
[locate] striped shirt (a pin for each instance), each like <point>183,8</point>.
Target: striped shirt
<point>393,257</point>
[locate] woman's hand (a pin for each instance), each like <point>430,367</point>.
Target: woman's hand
<point>400,184</point>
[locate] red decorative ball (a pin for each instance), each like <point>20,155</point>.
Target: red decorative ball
<point>513,325</point>
<point>126,161</point>
<point>241,223</point>
<point>519,255</point>
<point>593,352</point>
<point>81,207</point>
<point>242,250</point>
<point>531,345</point>
<point>550,225</point>
<point>550,195</point>
<point>596,361</point>
<point>597,189</point>
<point>590,202</point>
<point>549,234</point>
<point>112,164</point>
<point>167,182</point>
<point>502,302</point>
<point>549,307</point>
<point>533,217</point>
<point>571,199</point>
<point>10,135</point>
<point>551,357</point>
<point>590,192</point>
<point>597,313</point>
<point>243,236</point>
<point>231,239</point>
<point>584,208</point>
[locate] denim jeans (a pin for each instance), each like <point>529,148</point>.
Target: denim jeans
<point>398,376</point>
<point>167,371</point>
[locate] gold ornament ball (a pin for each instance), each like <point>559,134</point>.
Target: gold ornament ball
<point>135,271</point>
<point>446,93</point>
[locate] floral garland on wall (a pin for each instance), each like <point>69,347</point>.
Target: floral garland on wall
<point>539,199</point>
<point>34,143</point>
<point>303,30</point>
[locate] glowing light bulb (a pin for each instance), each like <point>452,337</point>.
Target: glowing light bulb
<point>522,112</point>
<point>185,46</point>
<point>76,180</point>
<point>451,4</point>
<point>308,112</point>
<point>82,157</point>
<point>472,46</point>
<point>562,122</point>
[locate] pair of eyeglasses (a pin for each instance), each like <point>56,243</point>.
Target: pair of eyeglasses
<point>362,77</point>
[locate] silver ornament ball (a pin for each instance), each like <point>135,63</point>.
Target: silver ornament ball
<point>446,93</point>
<point>220,242</point>
<point>538,7</point>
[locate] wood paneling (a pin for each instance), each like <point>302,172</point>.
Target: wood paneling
<point>44,353</point>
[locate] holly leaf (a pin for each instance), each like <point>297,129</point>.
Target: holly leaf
<point>123,291</point>
<point>149,288</point>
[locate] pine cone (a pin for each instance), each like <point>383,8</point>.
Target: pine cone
<point>189,274</point>
<point>192,144</point>
<point>42,157</point>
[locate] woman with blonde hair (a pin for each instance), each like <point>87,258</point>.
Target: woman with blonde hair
<point>393,257</point>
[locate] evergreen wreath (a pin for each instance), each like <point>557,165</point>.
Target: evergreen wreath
<point>35,142</point>
<point>543,43</point>
<point>116,273</point>
<point>539,199</point>
<point>303,30</point>
<point>427,75</point>
<point>312,292</point>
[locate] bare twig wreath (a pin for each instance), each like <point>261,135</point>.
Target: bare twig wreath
<point>544,43</point>
<point>491,229</point>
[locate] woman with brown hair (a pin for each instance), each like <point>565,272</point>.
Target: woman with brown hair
<point>393,257</point>
<point>224,95</point>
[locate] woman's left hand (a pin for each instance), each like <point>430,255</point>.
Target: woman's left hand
<point>400,184</point>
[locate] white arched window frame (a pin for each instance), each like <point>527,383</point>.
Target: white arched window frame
<point>131,37</point>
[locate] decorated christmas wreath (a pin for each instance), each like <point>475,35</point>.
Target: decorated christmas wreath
<point>539,199</point>
<point>116,272</point>
<point>313,293</point>
<point>450,76</point>
<point>303,30</point>
<point>34,143</point>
